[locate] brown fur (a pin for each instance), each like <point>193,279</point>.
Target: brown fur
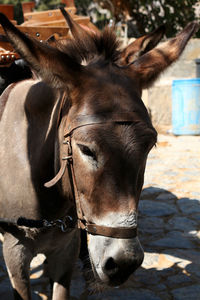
<point>4,98</point>
<point>109,160</point>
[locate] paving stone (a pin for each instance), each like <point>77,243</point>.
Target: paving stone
<point>148,182</point>
<point>194,173</point>
<point>139,294</point>
<point>147,277</point>
<point>176,258</point>
<point>167,181</point>
<point>165,272</point>
<point>165,295</point>
<point>195,234</point>
<point>166,196</point>
<point>177,279</point>
<point>150,192</point>
<point>181,223</point>
<point>187,292</point>
<point>196,194</point>
<point>183,264</point>
<point>77,286</point>
<point>192,255</point>
<point>37,266</point>
<point>170,173</point>
<point>195,217</point>
<point>160,287</point>
<point>6,289</point>
<point>189,206</point>
<point>150,259</point>
<point>174,239</point>
<point>156,208</point>
<point>193,269</point>
<point>192,166</point>
<point>37,260</point>
<point>151,224</point>
<point>184,179</point>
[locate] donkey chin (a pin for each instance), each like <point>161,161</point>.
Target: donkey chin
<point>114,260</point>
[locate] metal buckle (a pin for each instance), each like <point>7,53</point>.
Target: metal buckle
<point>62,224</point>
<point>67,157</point>
<point>67,142</point>
<point>47,223</point>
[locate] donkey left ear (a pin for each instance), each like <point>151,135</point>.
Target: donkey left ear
<point>150,65</point>
<point>54,66</point>
<point>141,46</point>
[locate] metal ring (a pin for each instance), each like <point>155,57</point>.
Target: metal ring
<point>67,157</point>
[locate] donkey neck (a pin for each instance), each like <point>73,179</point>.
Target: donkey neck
<point>42,109</point>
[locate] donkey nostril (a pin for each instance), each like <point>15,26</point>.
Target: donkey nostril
<point>110,265</point>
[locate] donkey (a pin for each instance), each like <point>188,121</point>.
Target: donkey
<point>74,144</point>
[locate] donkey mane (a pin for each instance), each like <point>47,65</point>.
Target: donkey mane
<point>102,45</point>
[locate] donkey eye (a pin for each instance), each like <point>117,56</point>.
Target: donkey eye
<point>87,151</point>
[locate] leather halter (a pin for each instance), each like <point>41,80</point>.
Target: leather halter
<point>67,162</point>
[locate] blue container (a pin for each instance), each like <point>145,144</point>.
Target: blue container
<point>186,106</point>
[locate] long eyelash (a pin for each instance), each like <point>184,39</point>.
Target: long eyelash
<point>86,150</point>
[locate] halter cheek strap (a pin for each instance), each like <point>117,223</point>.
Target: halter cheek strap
<point>67,162</point>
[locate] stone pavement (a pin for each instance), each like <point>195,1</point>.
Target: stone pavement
<point>169,230</point>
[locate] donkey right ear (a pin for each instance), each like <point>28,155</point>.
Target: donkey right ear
<point>149,66</point>
<point>141,46</point>
<point>52,65</point>
<point>82,37</point>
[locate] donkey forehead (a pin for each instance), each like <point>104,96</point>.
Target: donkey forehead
<point>117,137</point>
<point>107,84</point>
<point>108,98</point>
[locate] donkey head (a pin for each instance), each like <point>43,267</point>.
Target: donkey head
<point>109,156</point>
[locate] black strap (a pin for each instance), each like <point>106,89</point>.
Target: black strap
<point>21,221</point>
<point>64,224</point>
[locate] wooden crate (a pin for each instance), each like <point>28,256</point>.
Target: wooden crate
<point>46,16</point>
<point>43,25</point>
<point>42,33</point>
<point>28,7</point>
<point>7,10</point>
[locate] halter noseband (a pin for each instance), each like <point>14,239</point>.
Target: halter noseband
<point>67,161</point>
